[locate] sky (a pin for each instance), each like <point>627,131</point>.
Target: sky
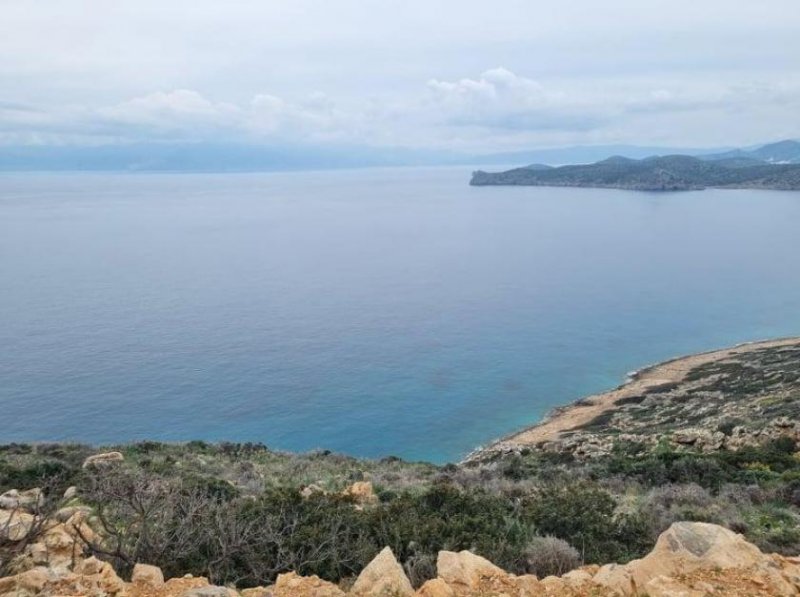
<point>466,76</point>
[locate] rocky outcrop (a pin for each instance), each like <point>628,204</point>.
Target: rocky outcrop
<point>383,577</point>
<point>292,585</point>
<point>103,459</point>
<point>689,547</point>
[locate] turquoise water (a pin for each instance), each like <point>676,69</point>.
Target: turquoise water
<point>371,312</point>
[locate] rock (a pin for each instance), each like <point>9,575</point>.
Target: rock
<point>147,575</point>
<point>577,578</point>
<point>257,592</point>
<point>435,588</point>
<point>15,525</point>
<point>310,490</point>
<point>210,591</point>
<point>362,493</point>
<point>553,585</point>
<point>465,568</point>
<point>70,493</point>
<point>64,514</point>
<point>103,459</point>
<point>31,582</point>
<point>292,585</point>
<point>689,546</point>
<point>383,577</point>
<point>662,586</point>
<point>31,499</point>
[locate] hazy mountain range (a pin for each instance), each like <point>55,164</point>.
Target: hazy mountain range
<point>239,157</point>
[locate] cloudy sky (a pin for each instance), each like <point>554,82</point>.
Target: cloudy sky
<point>439,74</point>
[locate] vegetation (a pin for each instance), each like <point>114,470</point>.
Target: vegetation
<point>235,512</point>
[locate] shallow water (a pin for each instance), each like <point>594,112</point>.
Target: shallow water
<point>372,312</point>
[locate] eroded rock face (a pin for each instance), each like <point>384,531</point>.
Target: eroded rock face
<point>383,577</point>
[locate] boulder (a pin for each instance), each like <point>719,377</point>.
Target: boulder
<point>293,585</point>
<point>465,568</point>
<point>64,514</point>
<point>436,588</point>
<point>383,577</point>
<point>310,490</point>
<point>662,586</point>
<point>30,582</point>
<point>70,493</point>
<point>30,500</point>
<point>147,575</point>
<point>103,459</point>
<point>15,525</point>
<point>257,592</point>
<point>210,591</point>
<point>689,546</point>
<point>362,493</point>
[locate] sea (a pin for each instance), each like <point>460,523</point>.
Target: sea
<point>377,312</point>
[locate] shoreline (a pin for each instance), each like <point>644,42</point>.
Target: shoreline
<point>585,409</point>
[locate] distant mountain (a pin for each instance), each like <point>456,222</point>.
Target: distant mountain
<point>782,152</point>
<point>583,154</point>
<point>666,173</point>
<point>253,157</point>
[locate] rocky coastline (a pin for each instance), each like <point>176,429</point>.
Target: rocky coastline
<point>585,427</point>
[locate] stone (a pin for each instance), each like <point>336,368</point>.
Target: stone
<point>257,592</point>
<point>30,500</point>
<point>689,546</point>
<point>64,514</point>
<point>103,459</point>
<point>30,582</point>
<point>383,577</point>
<point>662,586</point>
<point>362,493</point>
<point>465,568</point>
<point>310,490</point>
<point>577,578</point>
<point>435,588</point>
<point>293,585</point>
<point>70,493</point>
<point>210,591</point>
<point>147,575</point>
<point>15,524</point>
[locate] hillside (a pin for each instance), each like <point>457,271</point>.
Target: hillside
<point>711,438</point>
<point>661,173</point>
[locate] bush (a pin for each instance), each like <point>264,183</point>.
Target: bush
<point>546,556</point>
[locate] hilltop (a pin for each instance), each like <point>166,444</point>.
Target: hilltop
<point>775,166</point>
<point>685,479</point>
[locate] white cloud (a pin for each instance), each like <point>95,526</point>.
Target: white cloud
<point>498,109</point>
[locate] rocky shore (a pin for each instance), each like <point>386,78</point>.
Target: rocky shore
<point>729,398</point>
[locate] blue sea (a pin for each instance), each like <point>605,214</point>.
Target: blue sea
<point>373,312</point>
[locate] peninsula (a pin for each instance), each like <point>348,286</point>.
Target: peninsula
<point>732,170</point>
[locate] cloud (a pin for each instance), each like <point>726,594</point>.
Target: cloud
<point>502,99</point>
<point>497,109</point>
